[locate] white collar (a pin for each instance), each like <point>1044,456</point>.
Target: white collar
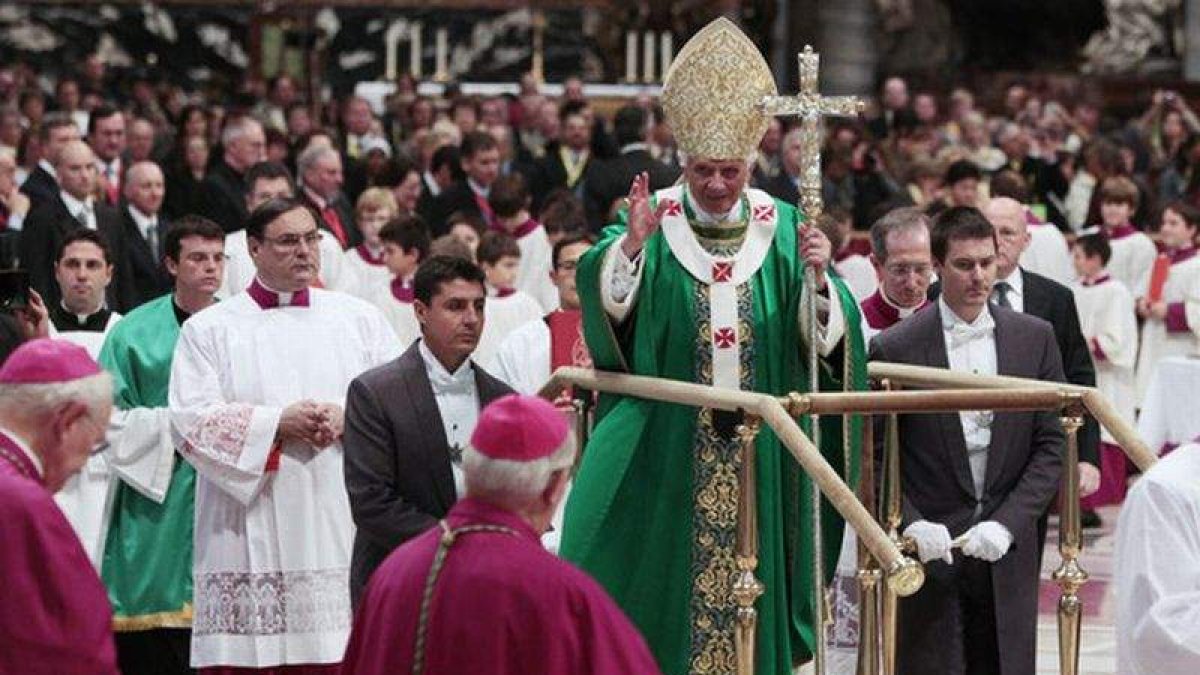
<point>20,443</point>
<point>285,298</point>
<point>1015,280</point>
<point>950,319</point>
<point>477,188</point>
<point>74,205</point>
<point>706,217</point>
<point>320,201</point>
<point>904,312</point>
<point>144,221</point>
<point>438,373</point>
<point>82,318</point>
<point>430,183</point>
<point>115,163</point>
<point>48,168</point>
<point>633,147</point>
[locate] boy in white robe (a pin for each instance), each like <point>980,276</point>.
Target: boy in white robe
<point>1172,322</point>
<point>509,198</point>
<point>256,392</point>
<point>374,209</point>
<point>507,308</point>
<point>1132,251</point>
<point>1107,321</point>
<point>405,243</point>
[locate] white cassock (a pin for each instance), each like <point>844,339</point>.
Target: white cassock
<point>368,272</point>
<point>86,497</point>
<point>1157,569</point>
<point>1163,338</point>
<point>502,316</point>
<point>239,267</point>
<point>1108,323</point>
<point>272,550</point>
<point>859,274</point>
<point>537,261</point>
<point>522,361</point>
<point>1047,254</point>
<point>399,314</point>
<point>1133,255</point>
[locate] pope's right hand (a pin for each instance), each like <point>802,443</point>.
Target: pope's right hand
<point>642,221</point>
<point>932,539</point>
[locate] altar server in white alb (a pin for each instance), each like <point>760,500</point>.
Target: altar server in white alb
<point>1132,251</point>
<point>1157,572</point>
<point>256,394</point>
<point>1172,317</point>
<point>1109,326</point>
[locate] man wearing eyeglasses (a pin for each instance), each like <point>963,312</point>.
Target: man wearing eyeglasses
<point>147,559</point>
<point>904,266</point>
<point>255,396</point>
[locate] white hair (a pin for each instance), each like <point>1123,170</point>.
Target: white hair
<point>31,401</point>
<point>236,128</point>
<point>511,483</point>
<point>312,155</point>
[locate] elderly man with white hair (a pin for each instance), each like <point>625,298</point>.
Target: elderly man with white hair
<point>221,193</point>
<point>320,171</point>
<point>705,282</point>
<point>477,593</point>
<point>54,405</point>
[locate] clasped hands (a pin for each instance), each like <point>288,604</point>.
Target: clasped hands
<point>988,541</point>
<point>312,423</point>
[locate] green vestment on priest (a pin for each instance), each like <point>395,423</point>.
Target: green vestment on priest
<point>652,513</point>
<point>147,565</point>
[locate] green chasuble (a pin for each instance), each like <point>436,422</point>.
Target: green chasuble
<point>147,565</point>
<point>653,510</point>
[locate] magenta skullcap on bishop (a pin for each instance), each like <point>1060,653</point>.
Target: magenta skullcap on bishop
<point>46,361</point>
<point>520,429</point>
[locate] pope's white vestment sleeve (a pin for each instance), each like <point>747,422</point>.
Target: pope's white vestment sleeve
<point>1158,574</point>
<point>619,279</point>
<point>227,441</point>
<point>831,325</point>
<point>141,450</point>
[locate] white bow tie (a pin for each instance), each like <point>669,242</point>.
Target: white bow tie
<point>961,333</point>
<point>443,383</point>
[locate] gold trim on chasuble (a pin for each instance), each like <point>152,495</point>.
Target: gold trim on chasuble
<point>715,465</point>
<point>181,618</point>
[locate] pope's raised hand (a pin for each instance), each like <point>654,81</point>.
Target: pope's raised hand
<point>643,221</point>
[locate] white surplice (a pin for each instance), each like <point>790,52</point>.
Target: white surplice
<point>1157,569</point>
<point>367,276</point>
<point>1047,254</point>
<point>859,274</point>
<point>533,275</point>
<point>502,316</point>
<point>1132,258</point>
<point>522,360</point>
<point>1109,325</point>
<point>86,497</point>
<point>1183,285</point>
<point>399,315</point>
<point>335,275</point>
<point>272,548</point>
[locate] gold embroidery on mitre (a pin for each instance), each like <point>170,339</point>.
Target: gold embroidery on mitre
<point>713,91</point>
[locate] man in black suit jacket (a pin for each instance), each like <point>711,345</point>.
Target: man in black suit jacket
<point>983,478</point>
<point>144,231</point>
<point>73,207</point>
<point>783,186</point>
<point>320,170</point>
<point>611,179</point>
<point>407,421</point>
<point>481,164</point>
<point>223,192</point>
<point>41,185</point>
<point>570,162</point>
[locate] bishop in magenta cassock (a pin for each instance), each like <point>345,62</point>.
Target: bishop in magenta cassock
<point>55,617</point>
<point>478,593</point>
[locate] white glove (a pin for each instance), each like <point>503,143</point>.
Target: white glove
<point>932,539</point>
<point>988,541</point>
<point>1089,479</point>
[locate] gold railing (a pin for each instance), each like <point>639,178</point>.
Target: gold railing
<point>943,391</point>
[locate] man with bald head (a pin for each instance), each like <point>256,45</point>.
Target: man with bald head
<point>320,171</point>
<point>74,206</point>
<point>144,229</point>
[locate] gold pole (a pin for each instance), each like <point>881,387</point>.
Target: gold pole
<point>1070,576</point>
<point>868,568</point>
<point>537,67</point>
<point>747,588</point>
<point>892,486</point>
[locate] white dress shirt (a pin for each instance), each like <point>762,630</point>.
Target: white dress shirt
<point>147,225</point>
<point>458,404</point>
<point>84,211</point>
<point>1016,290</point>
<point>971,348</point>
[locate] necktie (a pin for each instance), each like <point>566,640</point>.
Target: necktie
<point>334,221</point>
<point>114,190</point>
<point>85,217</point>
<point>1002,289</point>
<point>152,238</point>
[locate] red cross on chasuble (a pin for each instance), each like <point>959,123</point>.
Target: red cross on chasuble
<point>724,338</point>
<point>722,271</point>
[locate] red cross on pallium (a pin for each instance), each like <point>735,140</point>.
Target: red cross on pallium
<point>722,271</point>
<point>724,338</point>
<point>764,212</point>
<point>671,207</point>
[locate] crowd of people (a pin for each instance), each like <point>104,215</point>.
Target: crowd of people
<point>320,324</point>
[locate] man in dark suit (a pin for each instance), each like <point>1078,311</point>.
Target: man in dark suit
<point>785,184</point>
<point>407,421</point>
<point>983,478</point>
<point>41,186</point>
<point>570,162</point>
<point>73,207</point>
<point>1035,295</point>
<point>481,164</point>
<point>320,170</point>
<point>611,178</point>
<point>444,170</point>
<point>144,231</point>
<point>222,194</point>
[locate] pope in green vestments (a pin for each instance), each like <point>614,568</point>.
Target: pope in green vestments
<point>147,563</point>
<point>705,282</point>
